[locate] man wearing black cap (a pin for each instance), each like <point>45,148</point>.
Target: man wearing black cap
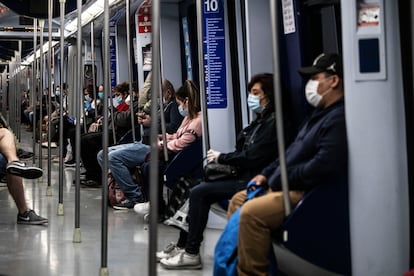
<point>318,156</point>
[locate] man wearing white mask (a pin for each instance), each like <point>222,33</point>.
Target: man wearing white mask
<point>256,146</point>
<point>318,156</point>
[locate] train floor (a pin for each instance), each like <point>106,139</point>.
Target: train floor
<point>50,249</point>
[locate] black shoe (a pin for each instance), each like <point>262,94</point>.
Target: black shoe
<point>20,169</point>
<point>30,217</point>
<point>23,155</point>
<point>88,183</point>
<point>71,163</point>
<point>125,205</point>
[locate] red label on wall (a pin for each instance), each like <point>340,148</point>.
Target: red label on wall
<point>144,23</point>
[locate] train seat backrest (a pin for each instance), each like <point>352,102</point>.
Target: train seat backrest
<point>317,229</point>
<point>187,162</point>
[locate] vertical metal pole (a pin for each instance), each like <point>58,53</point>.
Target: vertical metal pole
<point>78,93</point>
<point>163,124</point>
<point>203,102</point>
<point>278,105</point>
<point>105,138</point>
<point>21,77</point>
<point>156,86</point>
<point>12,93</point>
<point>49,99</point>
<point>60,209</point>
<point>93,70</point>
<point>128,33</point>
<point>41,25</point>
<point>34,89</point>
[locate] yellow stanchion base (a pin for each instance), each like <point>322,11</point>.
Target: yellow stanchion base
<point>77,235</point>
<point>60,211</point>
<point>104,271</point>
<point>49,191</point>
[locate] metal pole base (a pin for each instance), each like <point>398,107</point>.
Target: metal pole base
<point>49,191</point>
<point>77,235</point>
<point>104,271</point>
<point>60,210</point>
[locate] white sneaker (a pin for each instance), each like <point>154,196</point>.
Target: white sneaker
<point>182,260</point>
<point>169,251</point>
<point>68,157</point>
<point>46,144</point>
<point>142,208</point>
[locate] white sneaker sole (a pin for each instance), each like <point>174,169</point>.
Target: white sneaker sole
<point>25,172</point>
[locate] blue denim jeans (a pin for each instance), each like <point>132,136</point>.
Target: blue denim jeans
<point>121,160</point>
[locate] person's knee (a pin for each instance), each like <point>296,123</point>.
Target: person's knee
<point>236,201</point>
<point>198,191</point>
<point>114,157</point>
<point>4,132</point>
<point>99,157</point>
<point>250,209</point>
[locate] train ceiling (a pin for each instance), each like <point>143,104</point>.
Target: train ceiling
<point>16,23</point>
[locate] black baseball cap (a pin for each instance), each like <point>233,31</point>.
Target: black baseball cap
<point>330,63</point>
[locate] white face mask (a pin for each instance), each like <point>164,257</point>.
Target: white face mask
<point>311,92</point>
<point>117,101</point>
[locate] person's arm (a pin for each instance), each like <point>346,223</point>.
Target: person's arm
<point>175,119</point>
<point>144,94</point>
<point>190,134</point>
<point>123,119</point>
<point>261,150</point>
<point>329,160</point>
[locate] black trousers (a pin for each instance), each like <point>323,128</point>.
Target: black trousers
<point>91,144</point>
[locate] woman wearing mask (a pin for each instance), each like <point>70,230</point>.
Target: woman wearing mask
<point>121,92</point>
<point>93,141</point>
<point>123,158</point>
<point>256,146</point>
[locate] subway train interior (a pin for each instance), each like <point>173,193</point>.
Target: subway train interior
<point>51,50</point>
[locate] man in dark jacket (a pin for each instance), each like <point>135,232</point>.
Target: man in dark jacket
<point>172,117</point>
<point>256,146</point>
<point>318,156</point>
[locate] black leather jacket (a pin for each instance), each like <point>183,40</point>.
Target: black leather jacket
<point>256,147</point>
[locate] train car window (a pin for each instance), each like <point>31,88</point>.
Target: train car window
<point>321,27</point>
<point>369,56</point>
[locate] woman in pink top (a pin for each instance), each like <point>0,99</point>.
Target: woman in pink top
<point>188,100</point>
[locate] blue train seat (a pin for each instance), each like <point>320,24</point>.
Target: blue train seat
<point>317,230</point>
<point>187,162</point>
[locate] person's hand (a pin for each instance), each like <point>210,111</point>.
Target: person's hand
<point>144,120</point>
<point>213,155</point>
<point>260,180</point>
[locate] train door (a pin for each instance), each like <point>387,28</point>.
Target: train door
<point>405,11</point>
<point>307,29</point>
<point>221,100</point>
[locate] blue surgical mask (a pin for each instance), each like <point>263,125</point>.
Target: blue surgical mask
<point>87,98</point>
<point>118,100</point>
<point>183,112</point>
<point>254,103</point>
<point>100,95</point>
<point>57,93</point>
